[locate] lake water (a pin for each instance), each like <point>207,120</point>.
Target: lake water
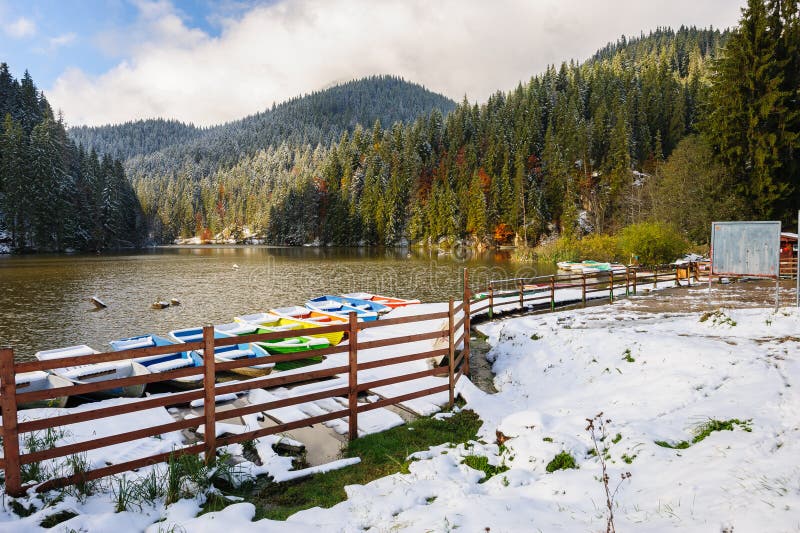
<point>45,298</point>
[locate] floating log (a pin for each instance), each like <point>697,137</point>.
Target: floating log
<point>98,303</point>
<point>159,305</point>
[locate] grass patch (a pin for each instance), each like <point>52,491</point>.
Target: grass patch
<point>561,461</point>
<point>55,519</point>
<point>547,439</point>
<point>381,454</point>
<point>707,428</point>
<point>480,462</point>
<point>626,356</point>
<point>536,337</point>
<point>718,318</point>
<point>298,363</point>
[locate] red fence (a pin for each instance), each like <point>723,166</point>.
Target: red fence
<point>456,333</point>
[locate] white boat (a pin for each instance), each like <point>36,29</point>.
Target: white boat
<point>96,372</point>
<point>37,381</point>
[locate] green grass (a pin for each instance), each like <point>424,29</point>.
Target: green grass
<point>626,356</point>
<point>480,462</point>
<point>707,428</point>
<point>55,519</point>
<point>381,454</point>
<point>562,461</point>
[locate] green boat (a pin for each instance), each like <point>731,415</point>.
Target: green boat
<point>276,346</point>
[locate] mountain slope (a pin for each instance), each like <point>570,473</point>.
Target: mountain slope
<point>160,147</point>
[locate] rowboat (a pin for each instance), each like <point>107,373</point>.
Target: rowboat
<point>338,306</point>
<point>299,317</point>
<point>37,381</point>
<point>192,334</point>
<point>97,372</point>
<point>231,352</point>
<point>158,364</point>
<point>388,301</point>
<point>234,352</point>
<point>567,265</point>
<point>361,303</point>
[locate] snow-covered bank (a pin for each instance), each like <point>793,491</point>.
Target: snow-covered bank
<point>656,377</point>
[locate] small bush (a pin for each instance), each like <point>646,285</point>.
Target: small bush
<point>480,462</point>
<point>599,247</point>
<point>652,242</point>
<point>626,356</point>
<point>561,461</point>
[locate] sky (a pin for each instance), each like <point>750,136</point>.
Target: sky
<point>209,62</point>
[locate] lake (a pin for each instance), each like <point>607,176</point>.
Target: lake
<point>45,298</point>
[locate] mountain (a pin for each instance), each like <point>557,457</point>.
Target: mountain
<point>161,147</point>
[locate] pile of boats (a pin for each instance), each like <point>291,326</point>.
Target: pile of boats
<point>317,312</point>
<point>589,267</point>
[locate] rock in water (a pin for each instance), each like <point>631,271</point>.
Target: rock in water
<point>98,303</point>
<point>159,305</point>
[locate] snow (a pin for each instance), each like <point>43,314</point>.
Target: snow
<point>684,371</point>
<point>655,375</point>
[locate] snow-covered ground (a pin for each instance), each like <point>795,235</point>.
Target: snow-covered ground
<point>656,375</point>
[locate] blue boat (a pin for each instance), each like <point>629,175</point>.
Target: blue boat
<point>341,306</point>
<point>232,352</point>
<point>157,364</point>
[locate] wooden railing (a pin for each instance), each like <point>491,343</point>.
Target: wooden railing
<point>456,333</point>
<point>547,292</point>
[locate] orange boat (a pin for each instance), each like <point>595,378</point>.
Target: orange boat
<point>388,301</point>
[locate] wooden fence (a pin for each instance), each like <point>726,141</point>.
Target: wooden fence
<point>542,292</point>
<point>456,333</point>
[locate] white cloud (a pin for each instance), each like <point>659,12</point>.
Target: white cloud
<point>62,40</point>
<point>273,52</point>
<point>20,28</point>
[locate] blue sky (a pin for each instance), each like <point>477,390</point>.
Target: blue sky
<point>208,62</point>
<point>70,33</point>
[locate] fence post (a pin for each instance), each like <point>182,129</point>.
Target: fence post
<point>677,277</point>
<point>352,394</point>
<point>209,403</point>
<point>491,299</point>
<point>552,293</point>
<point>521,295</point>
<point>8,399</point>
<point>634,281</point>
<point>465,348</point>
<point>583,289</point>
<point>627,282</point>
<point>655,278</point>
<point>611,284</point>
<point>451,353</point>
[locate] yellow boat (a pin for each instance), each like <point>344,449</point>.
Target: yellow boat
<point>297,316</point>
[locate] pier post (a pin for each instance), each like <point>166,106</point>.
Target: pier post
<point>451,354</point>
<point>8,399</point>
<point>209,402</point>
<point>352,394</point>
<point>467,329</point>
